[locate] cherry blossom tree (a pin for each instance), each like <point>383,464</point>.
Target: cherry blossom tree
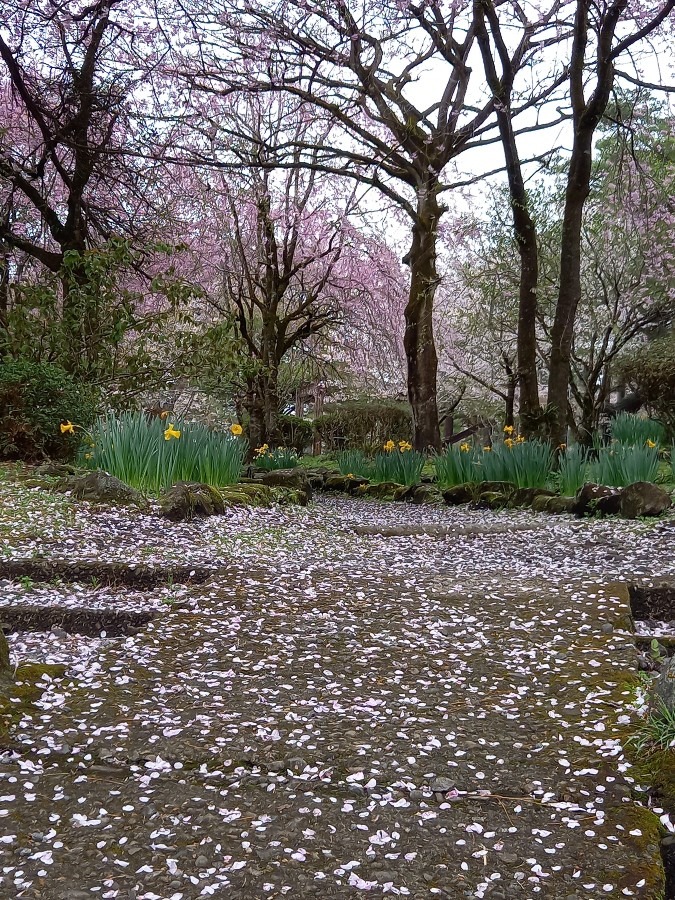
<point>395,79</point>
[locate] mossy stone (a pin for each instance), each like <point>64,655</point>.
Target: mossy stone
<point>187,499</point>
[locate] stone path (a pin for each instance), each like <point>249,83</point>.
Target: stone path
<point>418,714</point>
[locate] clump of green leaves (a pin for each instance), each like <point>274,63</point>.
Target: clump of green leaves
<point>401,464</point>
<point>35,398</point>
<point>657,732</point>
<point>619,465</point>
<point>455,466</point>
<point>572,468</point>
<point>636,431</point>
<point>354,462</point>
<point>152,454</point>
<point>279,458</point>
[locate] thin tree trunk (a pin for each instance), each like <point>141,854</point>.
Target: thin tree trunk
<point>569,293</point>
<point>419,334</point>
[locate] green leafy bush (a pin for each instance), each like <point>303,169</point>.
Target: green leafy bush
<point>402,465</point>
<point>618,465</point>
<point>523,464</point>
<point>364,425</point>
<point>152,454</point>
<point>572,470</point>
<point>455,466</point>
<point>297,433</point>
<point>280,458</point>
<point>354,462</point>
<point>633,430</point>
<point>35,399</point>
<point>651,370</point>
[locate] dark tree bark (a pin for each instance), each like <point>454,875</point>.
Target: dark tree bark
<point>523,225</point>
<point>586,115</point>
<point>419,337</point>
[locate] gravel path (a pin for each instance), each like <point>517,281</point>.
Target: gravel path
<point>434,706</point>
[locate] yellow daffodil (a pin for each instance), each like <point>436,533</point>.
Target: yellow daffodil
<point>487,448</point>
<point>171,432</point>
<point>67,427</point>
<point>164,414</point>
<point>520,439</point>
<point>651,444</point>
<point>562,446</point>
<point>236,429</point>
<point>88,455</point>
<point>404,446</point>
<point>349,475</point>
<point>509,442</point>
<point>508,429</point>
<point>389,446</point>
<point>465,447</point>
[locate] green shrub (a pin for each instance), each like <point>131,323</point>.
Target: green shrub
<point>280,458</point>
<point>572,470</point>
<point>147,454</point>
<point>401,465</point>
<point>456,465</point>
<point>364,425</point>
<point>651,369</point>
<point>35,399</point>
<point>633,430</point>
<point>618,465</point>
<point>523,464</point>
<point>354,462</point>
<point>297,433</point>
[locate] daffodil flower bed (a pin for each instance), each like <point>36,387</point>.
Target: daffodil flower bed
<point>153,454</point>
<point>279,458</point>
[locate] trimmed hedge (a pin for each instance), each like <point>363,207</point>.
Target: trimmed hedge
<point>364,425</point>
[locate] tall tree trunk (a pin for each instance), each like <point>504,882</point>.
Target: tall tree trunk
<point>569,292</point>
<point>523,225</point>
<point>419,332</point>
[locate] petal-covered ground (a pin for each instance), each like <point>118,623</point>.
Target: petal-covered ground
<point>360,698</point>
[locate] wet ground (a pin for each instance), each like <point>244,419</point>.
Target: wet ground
<point>435,706</point>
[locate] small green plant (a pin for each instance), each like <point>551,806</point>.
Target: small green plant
<point>354,462</point>
<point>635,431</point>
<point>280,458</point>
<point>455,466</point>
<point>401,464</point>
<point>657,732</point>
<point>572,469</point>
<point>656,650</point>
<point>525,464</point>
<point>26,582</point>
<point>620,465</point>
<point>152,454</point>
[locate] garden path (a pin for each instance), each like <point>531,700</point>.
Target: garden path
<point>435,713</point>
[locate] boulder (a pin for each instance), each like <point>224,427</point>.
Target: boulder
<point>587,498</point>
<point>540,503</point>
<point>99,487</point>
<point>490,500</point>
<point>384,490</point>
<point>248,494</point>
<point>499,487</point>
<point>558,505</point>
<point>525,496</point>
<point>343,483</point>
<point>459,494</point>
<point>644,499</point>
<point>419,494</point>
<point>609,505</point>
<point>187,499</point>
<point>663,691</point>
<point>296,479</point>
<point>290,497</point>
